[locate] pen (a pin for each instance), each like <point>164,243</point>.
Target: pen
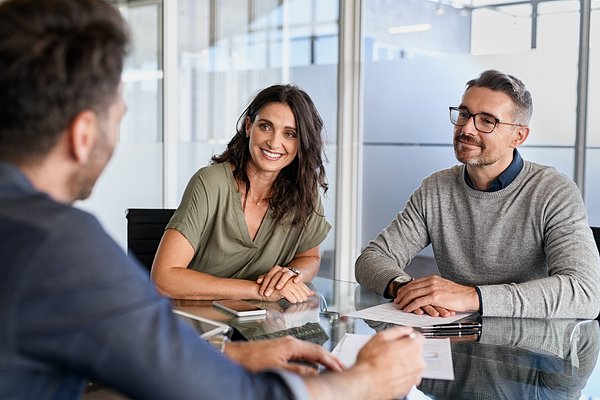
<point>451,333</point>
<point>460,325</point>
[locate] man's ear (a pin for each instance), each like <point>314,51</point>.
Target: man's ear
<point>521,136</point>
<point>82,135</point>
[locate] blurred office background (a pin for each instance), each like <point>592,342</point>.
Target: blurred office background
<point>381,72</point>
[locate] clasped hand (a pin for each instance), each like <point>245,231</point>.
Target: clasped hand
<point>437,297</point>
<point>283,283</point>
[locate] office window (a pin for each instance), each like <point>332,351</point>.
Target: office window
<point>592,189</point>
<point>513,21</point>
<point>134,176</point>
<point>231,49</point>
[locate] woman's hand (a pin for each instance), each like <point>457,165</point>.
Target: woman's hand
<point>282,283</point>
<point>276,279</point>
<point>292,292</point>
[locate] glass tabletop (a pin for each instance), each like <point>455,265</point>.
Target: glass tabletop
<point>513,358</point>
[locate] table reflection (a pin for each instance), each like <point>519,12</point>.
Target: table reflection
<point>511,358</point>
<point>522,359</point>
<point>282,318</point>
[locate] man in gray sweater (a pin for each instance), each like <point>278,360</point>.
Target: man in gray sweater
<point>510,237</point>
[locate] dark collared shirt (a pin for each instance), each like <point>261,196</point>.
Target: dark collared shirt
<point>505,178</point>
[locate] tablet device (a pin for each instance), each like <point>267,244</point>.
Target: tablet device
<point>206,328</point>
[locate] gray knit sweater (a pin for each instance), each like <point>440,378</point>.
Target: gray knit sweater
<point>528,247</point>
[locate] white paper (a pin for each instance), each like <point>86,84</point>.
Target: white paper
<point>438,357</point>
<point>416,394</point>
<point>436,353</point>
<point>389,313</point>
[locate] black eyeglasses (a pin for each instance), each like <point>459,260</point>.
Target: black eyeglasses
<point>483,122</point>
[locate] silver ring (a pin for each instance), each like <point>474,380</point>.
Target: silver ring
<point>294,271</point>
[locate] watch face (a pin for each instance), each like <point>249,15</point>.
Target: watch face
<point>398,283</point>
<point>403,279</point>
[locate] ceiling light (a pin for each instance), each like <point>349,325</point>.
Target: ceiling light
<point>409,28</point>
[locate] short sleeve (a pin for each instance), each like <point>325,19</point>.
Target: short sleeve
<point>191,217</point>
<point>316,229</point>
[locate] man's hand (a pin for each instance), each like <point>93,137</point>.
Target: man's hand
<point>436,296</point>
<point>387,367</point>
<point>277,353</point>
<point>434,311</point>
<point>394,358</point>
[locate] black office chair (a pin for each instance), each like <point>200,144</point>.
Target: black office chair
<point>596,232</point>
<point>145,227</point>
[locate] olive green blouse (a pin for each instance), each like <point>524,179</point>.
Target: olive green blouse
<point>211,218</point>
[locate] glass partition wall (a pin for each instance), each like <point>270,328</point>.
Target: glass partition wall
<point>416,57</point>
<point>223,53</point>
<point>134,176</point>
<point>419,54</point>
<point>592,189</point>
<point>227,51</point>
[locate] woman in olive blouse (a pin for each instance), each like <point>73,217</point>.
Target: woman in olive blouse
<point>250,225</point>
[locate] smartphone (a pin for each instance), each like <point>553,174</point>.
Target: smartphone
<point>239,308</point>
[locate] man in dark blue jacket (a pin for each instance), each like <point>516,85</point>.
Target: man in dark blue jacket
<point>72,305</point>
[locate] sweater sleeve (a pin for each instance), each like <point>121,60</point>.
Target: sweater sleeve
<point>386,256</point>
<point>572,287</point>
<point>316,229</point>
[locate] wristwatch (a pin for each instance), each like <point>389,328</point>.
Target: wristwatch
<point>398,282</point>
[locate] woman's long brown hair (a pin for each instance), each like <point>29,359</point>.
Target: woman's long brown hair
<point>296,187</point>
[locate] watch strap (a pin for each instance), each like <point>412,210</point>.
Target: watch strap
<point>397,285</point>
